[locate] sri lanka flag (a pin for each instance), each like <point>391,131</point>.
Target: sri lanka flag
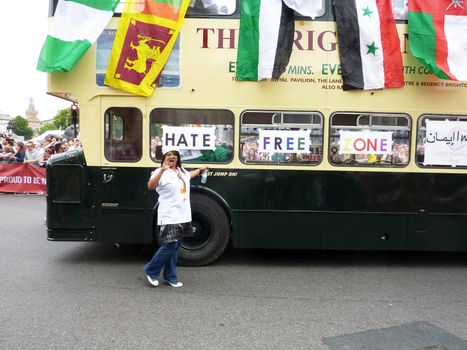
<point>369,47</point>
<point>76,26</point>
<point>438,36</point>
<point>145,37</point>
<point>266,35</point>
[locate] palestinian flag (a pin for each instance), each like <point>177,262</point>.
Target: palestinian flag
<point>144,40</point>
<point>438,36</point>
<point>369,47</point>
<point>266,35</point>
<point>76,26</point>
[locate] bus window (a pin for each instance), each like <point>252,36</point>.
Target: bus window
<point>293,138</point>
<point>211,7</point>
<point>441,140</point>
<point>369,139</point>
<point>218,123</point>
<point>123,132</point>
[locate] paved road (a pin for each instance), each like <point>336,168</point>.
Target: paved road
<point>57,295</point>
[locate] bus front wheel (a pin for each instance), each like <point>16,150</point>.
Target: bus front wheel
<point>211,230</point>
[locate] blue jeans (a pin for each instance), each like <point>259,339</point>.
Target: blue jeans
<point>165,258</point>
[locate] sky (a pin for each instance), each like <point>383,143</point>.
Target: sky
<point>23,29</point>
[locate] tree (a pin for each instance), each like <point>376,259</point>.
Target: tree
<point>63,119</point>
<point>21,127</point>
<point>45,127</point>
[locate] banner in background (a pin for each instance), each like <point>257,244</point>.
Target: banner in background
<point>22,178</point>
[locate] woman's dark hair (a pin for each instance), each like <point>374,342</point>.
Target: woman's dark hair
<point>57,147</point>
<point>174,153</point>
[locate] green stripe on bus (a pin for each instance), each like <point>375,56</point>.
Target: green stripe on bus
<point>422,41</point>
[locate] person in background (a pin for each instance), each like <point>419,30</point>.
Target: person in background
<point>59,147</point>
<point>74,144</point>
<point>77,142</point>
<point>32,155</point>
<point>4,143</point>
<point>172,182</point>
<point>47,142</point>
<point>153,147</point>
<point>71,145</point>
<point>20,153</point>
<point>8,155</point>
<point>48,152</point>
<point>13,144</point>
<point>38,147</point>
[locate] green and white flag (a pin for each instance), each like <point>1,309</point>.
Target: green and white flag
<point>76,26</point>
<point>266,35</point>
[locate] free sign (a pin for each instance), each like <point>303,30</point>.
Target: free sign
<point>284,141</point>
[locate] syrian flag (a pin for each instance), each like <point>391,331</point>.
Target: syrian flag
<point>266,35</point>
<point>438,36</point>
<point>369,47</point>
<point>76,26</point>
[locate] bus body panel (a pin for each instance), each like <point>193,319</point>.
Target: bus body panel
<point>321,205</point>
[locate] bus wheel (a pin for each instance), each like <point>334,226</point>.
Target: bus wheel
<point>211,233</point>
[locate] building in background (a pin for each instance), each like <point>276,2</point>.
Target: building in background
<point>31,116</point>
<point>4,120</point>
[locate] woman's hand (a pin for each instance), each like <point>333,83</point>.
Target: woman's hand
<point>198,171</point>
<point>165,165</point>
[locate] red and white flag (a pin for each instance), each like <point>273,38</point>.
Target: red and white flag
<point>438,36</point>
<point>369,46</point>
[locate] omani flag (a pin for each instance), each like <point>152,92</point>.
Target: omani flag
<point>76,26</point>
<point>438,36</point>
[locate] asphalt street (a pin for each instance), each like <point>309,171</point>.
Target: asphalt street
<point>76,295</point>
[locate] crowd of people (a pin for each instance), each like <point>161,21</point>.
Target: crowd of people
<point>34,152</point>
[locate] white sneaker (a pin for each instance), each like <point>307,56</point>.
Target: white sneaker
<point>177,284</point>
<point>154,282</point>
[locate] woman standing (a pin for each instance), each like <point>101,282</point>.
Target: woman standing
<point>172,183</point>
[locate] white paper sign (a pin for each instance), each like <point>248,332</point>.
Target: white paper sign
<point>179,138</point>
<point>284,141</point>
<point>446,143</point>
<point>365,142</point>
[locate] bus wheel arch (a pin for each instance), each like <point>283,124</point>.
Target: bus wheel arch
<point>212,227</point>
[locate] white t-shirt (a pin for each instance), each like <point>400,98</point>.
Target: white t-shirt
<point>174,198</point>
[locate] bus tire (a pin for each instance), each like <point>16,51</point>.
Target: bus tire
<point>211,228</point>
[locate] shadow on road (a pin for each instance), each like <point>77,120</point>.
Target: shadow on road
<point>108,254</point>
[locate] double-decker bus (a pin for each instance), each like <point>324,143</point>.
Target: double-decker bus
<point>381,170</point>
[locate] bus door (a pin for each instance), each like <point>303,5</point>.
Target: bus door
<point>70,198</point>
<point>123,185</point>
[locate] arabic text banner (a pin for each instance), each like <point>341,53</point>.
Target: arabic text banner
<point>446,143</point>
